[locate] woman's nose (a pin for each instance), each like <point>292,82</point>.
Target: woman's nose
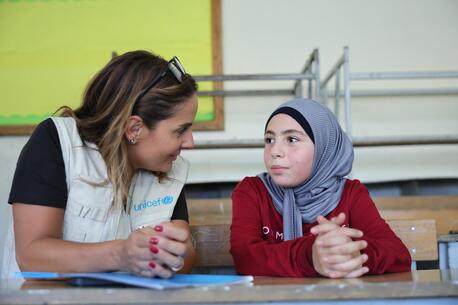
<point>188,142</point>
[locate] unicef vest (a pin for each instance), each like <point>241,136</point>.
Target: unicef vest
<point>93,214</point>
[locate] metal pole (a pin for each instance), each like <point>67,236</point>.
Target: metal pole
<point>337,94</point>
<point>246,92</point>
<point>403,75</point>
<point>307,65</point>
<point>346,80</point>
<point>318,91</point>
<point>298,90</point>
<point>324,97</point>
<point>309,89</point>
<point>399,92</point>
<point>237,77</point>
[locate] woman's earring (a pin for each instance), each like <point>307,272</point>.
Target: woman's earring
<point>132,141</point>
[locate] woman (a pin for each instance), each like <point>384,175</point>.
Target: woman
<point>99,188</point>
<point>303,218</point>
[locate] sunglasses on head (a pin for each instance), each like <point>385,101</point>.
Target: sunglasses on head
<point>174,66</point>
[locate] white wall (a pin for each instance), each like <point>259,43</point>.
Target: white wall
<point>268,36</point>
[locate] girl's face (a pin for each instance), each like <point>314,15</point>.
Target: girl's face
<point>288,151</point>
<point>157,148</point>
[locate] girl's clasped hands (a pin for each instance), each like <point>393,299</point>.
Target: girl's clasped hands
<point>335,254</point>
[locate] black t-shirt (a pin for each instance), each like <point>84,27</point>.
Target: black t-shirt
<point>40,179</point>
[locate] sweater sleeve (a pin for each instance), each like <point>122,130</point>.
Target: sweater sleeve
<point>385,250</point>
<point>253,254</point>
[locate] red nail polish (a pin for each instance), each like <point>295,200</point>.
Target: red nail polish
<point>152,265</point>
<point>154,249</point>
<point>153,241</point>
<point>159,228</point>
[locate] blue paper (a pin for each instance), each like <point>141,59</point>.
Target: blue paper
<point>177,281</point>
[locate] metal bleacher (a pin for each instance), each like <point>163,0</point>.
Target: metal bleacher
<point>318,89</point>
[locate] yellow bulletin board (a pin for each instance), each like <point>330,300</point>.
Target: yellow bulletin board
<point>50,49</point>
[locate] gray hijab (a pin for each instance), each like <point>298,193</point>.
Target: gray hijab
<point>333,159</point>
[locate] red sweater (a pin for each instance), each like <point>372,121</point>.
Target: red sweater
<point>257,244</point>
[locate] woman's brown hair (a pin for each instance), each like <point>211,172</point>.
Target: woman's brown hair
<point>111,98</point>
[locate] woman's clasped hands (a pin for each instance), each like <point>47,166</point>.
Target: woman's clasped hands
<point>335,254</point>
<point>155,251</point>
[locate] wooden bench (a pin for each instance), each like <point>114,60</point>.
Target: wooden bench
<point>212,241</point>
<point>443,209</point>
<point>419,236</point>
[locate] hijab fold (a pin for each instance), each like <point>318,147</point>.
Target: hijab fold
<point>321,192</point>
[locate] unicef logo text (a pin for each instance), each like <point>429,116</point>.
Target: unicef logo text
<point>166,200</point>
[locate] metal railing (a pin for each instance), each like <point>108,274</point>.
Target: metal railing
<point>310,72</point>
<point>369,76</point>
<point>341,73</point>
<point>341,67</point>
<point>357,142</point>
<point>420,140</point>
<point>312,65</point>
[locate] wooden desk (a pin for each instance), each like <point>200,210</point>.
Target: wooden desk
<point>416,287</point>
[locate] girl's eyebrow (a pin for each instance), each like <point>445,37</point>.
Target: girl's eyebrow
<point>286,132</point>
<point>290,131</point>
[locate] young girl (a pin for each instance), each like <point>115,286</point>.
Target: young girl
<point>303,218</point>
<point>99,188</point>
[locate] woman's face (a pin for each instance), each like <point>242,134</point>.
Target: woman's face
<point>288,151</point>
<point>157,148</point>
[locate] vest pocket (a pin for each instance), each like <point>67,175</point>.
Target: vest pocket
<point>88,207</point>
